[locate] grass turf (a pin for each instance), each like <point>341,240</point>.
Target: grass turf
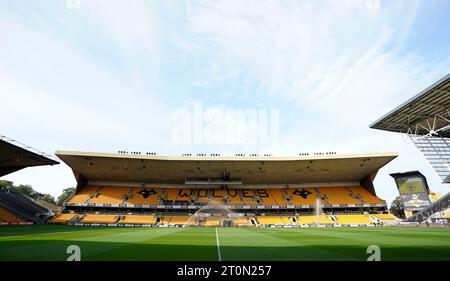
<point>49,242</point>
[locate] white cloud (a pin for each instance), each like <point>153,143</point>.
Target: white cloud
<point>50,112</point>
<point>59,92</point>
<point>132,25</point>
<point>333,66</point>
<point>339,63</point>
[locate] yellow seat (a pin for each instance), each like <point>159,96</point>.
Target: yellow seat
<point>212,222</point>
<point>241,221</point>
<point>176,220</point>
<point>62,218</point>
<point>110,195</point>
<point>366,196</point>
<point>276,197</point>
<point>353,219</point>
<point>6,216</point>
<point>82,196</point>
<point>338,195</point>
<point>273,220</point>
<point>322,219</point>
<point>383,216</point>
<point>106,219</point>
<point>138,219</point>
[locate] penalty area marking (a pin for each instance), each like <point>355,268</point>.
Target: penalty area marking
<point>219,255</point>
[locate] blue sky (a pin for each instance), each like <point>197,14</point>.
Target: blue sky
<point>109,75</point>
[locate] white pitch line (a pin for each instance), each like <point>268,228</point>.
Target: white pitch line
<point>219,255</point>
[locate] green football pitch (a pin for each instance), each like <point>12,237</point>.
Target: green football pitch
<point>50,242</point>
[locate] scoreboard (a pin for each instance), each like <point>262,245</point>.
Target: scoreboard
<point>413,189</point>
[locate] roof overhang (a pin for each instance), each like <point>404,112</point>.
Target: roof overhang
<point>14,157</point>
<point>428,111</point>
<point>250,170</point>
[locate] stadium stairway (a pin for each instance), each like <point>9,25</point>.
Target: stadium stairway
<point>355,195</point>
<point>323,197</point>
<point>286,196</point>
<point>76,219</point>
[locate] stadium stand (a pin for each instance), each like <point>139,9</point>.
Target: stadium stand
<point>424,120</point>
<point>172,193</point>
<point>15,156</point>
<point>8,217</point>
<point>22,206</point>
<point>16,207</point>
<point>47,205</point>
<point>228,196</point>
<point>438,206</point>
<point>262,220</point>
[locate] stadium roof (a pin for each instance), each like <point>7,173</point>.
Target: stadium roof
<point>250,170</point>
<point>428,111</point>
<point>15,156</point>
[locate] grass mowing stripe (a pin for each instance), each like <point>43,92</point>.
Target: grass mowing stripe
<point>263,244</point>
<point>306,244</point>
<point>218,246</point>
<point>49,242</point>
<point>178,244</point>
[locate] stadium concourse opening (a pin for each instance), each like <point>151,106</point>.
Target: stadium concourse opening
<point>149,190</point>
